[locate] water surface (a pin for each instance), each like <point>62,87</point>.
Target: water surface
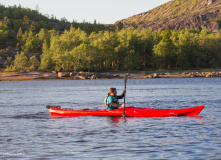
<point>28,131</point>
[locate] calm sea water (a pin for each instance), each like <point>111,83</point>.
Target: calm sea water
<point>28,132</point>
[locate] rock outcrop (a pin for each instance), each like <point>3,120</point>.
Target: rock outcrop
<point>178,15</point>
<point>210,20</point>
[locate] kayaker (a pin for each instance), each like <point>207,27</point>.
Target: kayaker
<point>111,100</point>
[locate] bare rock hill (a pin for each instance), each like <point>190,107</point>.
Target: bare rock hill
<point>178,15</point>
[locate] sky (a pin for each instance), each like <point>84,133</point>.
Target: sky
<point>103,11</point>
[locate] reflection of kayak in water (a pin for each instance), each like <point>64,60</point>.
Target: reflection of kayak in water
<point>129,112</point>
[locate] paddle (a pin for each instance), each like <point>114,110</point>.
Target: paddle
<point>125,82</point>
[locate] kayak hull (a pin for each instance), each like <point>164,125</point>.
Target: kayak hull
<point>129,112</point>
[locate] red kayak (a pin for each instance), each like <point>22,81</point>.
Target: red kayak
<point>129,112</point>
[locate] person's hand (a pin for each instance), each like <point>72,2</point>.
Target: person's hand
<point>122,105</point>
<point>124,91</point>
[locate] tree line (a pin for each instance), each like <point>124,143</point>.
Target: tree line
<point>125,49</point>
<point>16,17</point>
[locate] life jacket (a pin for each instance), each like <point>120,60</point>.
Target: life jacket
<point>115,100</point>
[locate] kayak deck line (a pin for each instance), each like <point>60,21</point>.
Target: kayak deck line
<point>130,111</point>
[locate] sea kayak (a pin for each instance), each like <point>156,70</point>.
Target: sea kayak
<point>57,111</point>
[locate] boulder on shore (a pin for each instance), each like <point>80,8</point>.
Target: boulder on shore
<point>63,74</point>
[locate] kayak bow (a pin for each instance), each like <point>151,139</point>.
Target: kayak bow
<point>129,112</point>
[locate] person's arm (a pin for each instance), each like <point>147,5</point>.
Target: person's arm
<point>122,95</point>
<point>115,104</point>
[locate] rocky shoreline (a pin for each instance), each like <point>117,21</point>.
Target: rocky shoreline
<point>39,75</point>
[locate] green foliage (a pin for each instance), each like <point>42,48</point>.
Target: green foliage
<point>46,58</point>
<point>4,32</point>
<point>19,37</point>
<point>126,49</point>
<point>33,63</point>
<point>89,47</point>
<point>165,51</point>
<point>30,42</point>
<point>20,63</point>
<point>9,59</point>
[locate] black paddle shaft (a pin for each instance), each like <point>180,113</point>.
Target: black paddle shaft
<point>125,82</point>
<point>124,93</point>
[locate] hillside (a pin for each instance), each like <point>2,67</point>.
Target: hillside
<point>178,15</point>
<point>15,17</point>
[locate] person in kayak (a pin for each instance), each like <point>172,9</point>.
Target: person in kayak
<point>111,100</point>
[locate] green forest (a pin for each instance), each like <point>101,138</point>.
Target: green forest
<point>94,47</point>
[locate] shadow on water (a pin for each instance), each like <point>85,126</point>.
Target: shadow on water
<point>39,115</point>
<point>125,120</point>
